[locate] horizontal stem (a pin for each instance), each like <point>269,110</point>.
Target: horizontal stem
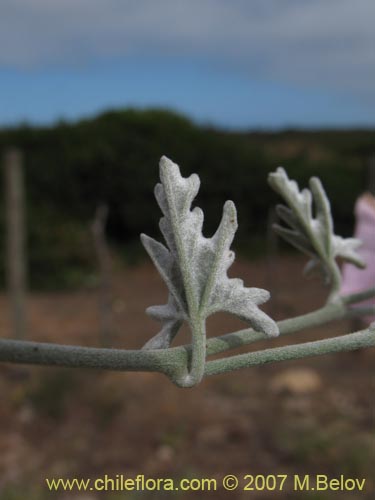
<point>350,342</point>
<point>330,312</point>
<point>319,317</point>
<point>171,362</point>
<point>359,296</point>
<point>355,312</point>
<point>38,353</point>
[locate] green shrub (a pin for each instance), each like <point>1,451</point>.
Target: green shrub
<point>72,168</point>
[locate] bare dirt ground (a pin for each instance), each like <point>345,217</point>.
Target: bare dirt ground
<point>313,416</point>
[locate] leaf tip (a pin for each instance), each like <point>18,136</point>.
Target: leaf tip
<point>167,167</point>
<point>230,211</point>
<point>273,330</point>
<point>144,238</point>
<point>279,176</point>
<point>164,160</point>
<point>316,187</point>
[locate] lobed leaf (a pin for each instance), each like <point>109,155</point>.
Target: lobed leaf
<point>193,267</point>
<point>312,235</point>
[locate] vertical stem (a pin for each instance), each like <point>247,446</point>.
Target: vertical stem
<point>334,295</point>
<point>195,372</point>
<point>16,255</point>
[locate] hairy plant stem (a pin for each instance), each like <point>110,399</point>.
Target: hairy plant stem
<point>198,357</point>
<point>40,353</point>
<point>359,296</point>
<point>336,280</point>
<point>175,362</point>
<point>328,313</point>
<point>349,342</point>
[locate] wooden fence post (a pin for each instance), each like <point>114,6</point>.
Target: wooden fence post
<point>105,270</point>
<point>371,174</point>
<point>15,240</point>
<point>272,260</point>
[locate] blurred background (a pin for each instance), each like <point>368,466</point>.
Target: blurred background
<point>92,94</point>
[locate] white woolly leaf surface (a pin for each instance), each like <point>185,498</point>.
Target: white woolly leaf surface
<point>312,235</point>
<point>193,267</point>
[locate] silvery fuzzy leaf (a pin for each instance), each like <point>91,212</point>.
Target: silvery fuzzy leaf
<point>311,266</point>
<point>295,238</point>
<point>286,215</point>
<point>167,268</point>
<point>346,249</point>
<point>171,317</point>
<point>234,298</point>
<point>312,235</point>
<point>193,267</point>
<point>323,224</point>
<point>165,337</point>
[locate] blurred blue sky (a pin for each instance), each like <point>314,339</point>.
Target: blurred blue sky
<point>232,63</point>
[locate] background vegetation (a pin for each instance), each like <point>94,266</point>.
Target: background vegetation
<point>71,168</point>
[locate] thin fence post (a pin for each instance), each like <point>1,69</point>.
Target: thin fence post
<point>371,174</point>
<point>272,260</point>
<point>105,271</point>
<point>15,240</point>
